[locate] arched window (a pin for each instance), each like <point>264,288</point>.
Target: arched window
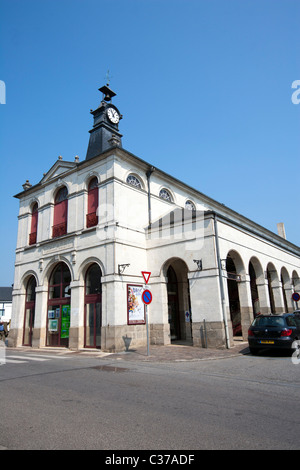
<point>34,224</point>
<point>190,206</point>
<point>60,213</point>
<point>164,194</point>
<point>91,217</point>
<point>92,307</point>
<point>134,181</point>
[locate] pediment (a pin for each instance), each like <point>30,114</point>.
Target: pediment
<point>59,168</point>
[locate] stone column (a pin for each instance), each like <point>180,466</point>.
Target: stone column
<point>206,305</point>
<point>246,307</point>
<point>15,336</point>
<point>278,296</point>
<point>288,293</point>
<point>40,317</point>
<point>76,332</point>
<point>158,312</point>
<point>263,295</point>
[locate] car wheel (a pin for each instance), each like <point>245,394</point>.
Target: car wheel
<point>254,351</point>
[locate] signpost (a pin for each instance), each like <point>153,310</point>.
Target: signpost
<point>147,299</point>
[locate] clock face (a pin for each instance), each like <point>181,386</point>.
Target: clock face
<point>113,115</point>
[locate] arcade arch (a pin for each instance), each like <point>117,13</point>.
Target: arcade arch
<point>235,269</point>
<point>179,308</point>
<point>29,313</point>
<point>256,275</point>
<point>92,306</point>
<point>272,279</point>
<point>59,306</point>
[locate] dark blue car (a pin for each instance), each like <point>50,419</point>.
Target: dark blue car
<point>275,332</point>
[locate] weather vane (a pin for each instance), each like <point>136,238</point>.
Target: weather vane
<point>108,77</point>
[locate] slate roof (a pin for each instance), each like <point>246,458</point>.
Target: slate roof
<point>6,294</point>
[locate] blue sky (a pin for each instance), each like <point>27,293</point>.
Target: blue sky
<point>204,87</point>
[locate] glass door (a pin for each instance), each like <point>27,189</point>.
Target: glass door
<point>28,325</point>
<point>93,325</point>
<point>58,314</point>
<point>92,308</point>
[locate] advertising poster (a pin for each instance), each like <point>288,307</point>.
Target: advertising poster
<point>53,326</point>
<point>65,321</point>
<point>135,306</point>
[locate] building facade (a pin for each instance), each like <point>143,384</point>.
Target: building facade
<point>90,228</point>
<point>5,303</point>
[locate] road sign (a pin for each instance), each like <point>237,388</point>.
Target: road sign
<point>147,297</point>
<point>146,276</point>
<point>296,296</point>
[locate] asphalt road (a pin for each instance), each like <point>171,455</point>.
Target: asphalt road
<point>72,401</point>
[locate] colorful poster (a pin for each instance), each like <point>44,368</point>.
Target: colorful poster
<point>135,305</point>
<point>51,314</point>
<point>65,321</point>
<point>53,326</point>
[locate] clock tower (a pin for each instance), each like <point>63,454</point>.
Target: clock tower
<point>105,133</point>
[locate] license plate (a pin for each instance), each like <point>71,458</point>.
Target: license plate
<point>266,342</point>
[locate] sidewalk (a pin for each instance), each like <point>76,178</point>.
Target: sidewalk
<point>180,353</point>
<point>169,353</point>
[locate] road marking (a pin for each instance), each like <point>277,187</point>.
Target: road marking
<point>29,358</point>
<point>43,356</point>
<point>13,361</point>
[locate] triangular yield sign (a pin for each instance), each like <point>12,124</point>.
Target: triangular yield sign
<point>146,276</point>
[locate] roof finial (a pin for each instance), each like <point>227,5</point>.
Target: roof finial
<point>108,77</point>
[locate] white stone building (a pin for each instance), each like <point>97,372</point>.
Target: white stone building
<point>89,228</point>
<point>5,303</point>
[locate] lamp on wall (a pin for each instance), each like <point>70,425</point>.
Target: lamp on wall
<point>199,263</point>
<point>223,264</point>
<point>122,267</point>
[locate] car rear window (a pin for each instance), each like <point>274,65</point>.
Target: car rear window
<point>291,321</point>
<point>296,318</point>
<point>269,321</point>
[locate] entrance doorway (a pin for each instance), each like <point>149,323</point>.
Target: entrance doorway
<point>254,291</point>
<point>173,310</point>
<point>179,311</point>
<point>58,314</point>
<point>29,312</point>
<point>92,308</point>
<point>234,299</point>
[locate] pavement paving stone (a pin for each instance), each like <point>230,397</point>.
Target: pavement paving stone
<point>168,353</point>
<point>179,353</point>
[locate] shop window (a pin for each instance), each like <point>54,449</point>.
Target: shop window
<point>60,213</point>
<point>92,217</point>
<point>34,224</point>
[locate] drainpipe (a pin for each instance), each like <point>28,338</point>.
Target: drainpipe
<point>148,174</point>
<point>221,282</point>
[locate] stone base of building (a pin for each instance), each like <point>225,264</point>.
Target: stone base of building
<point>113,338</point>
<point>14,338</point>
<point>160,334</point>
<point>117,338</point>
<point>209,335</point>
